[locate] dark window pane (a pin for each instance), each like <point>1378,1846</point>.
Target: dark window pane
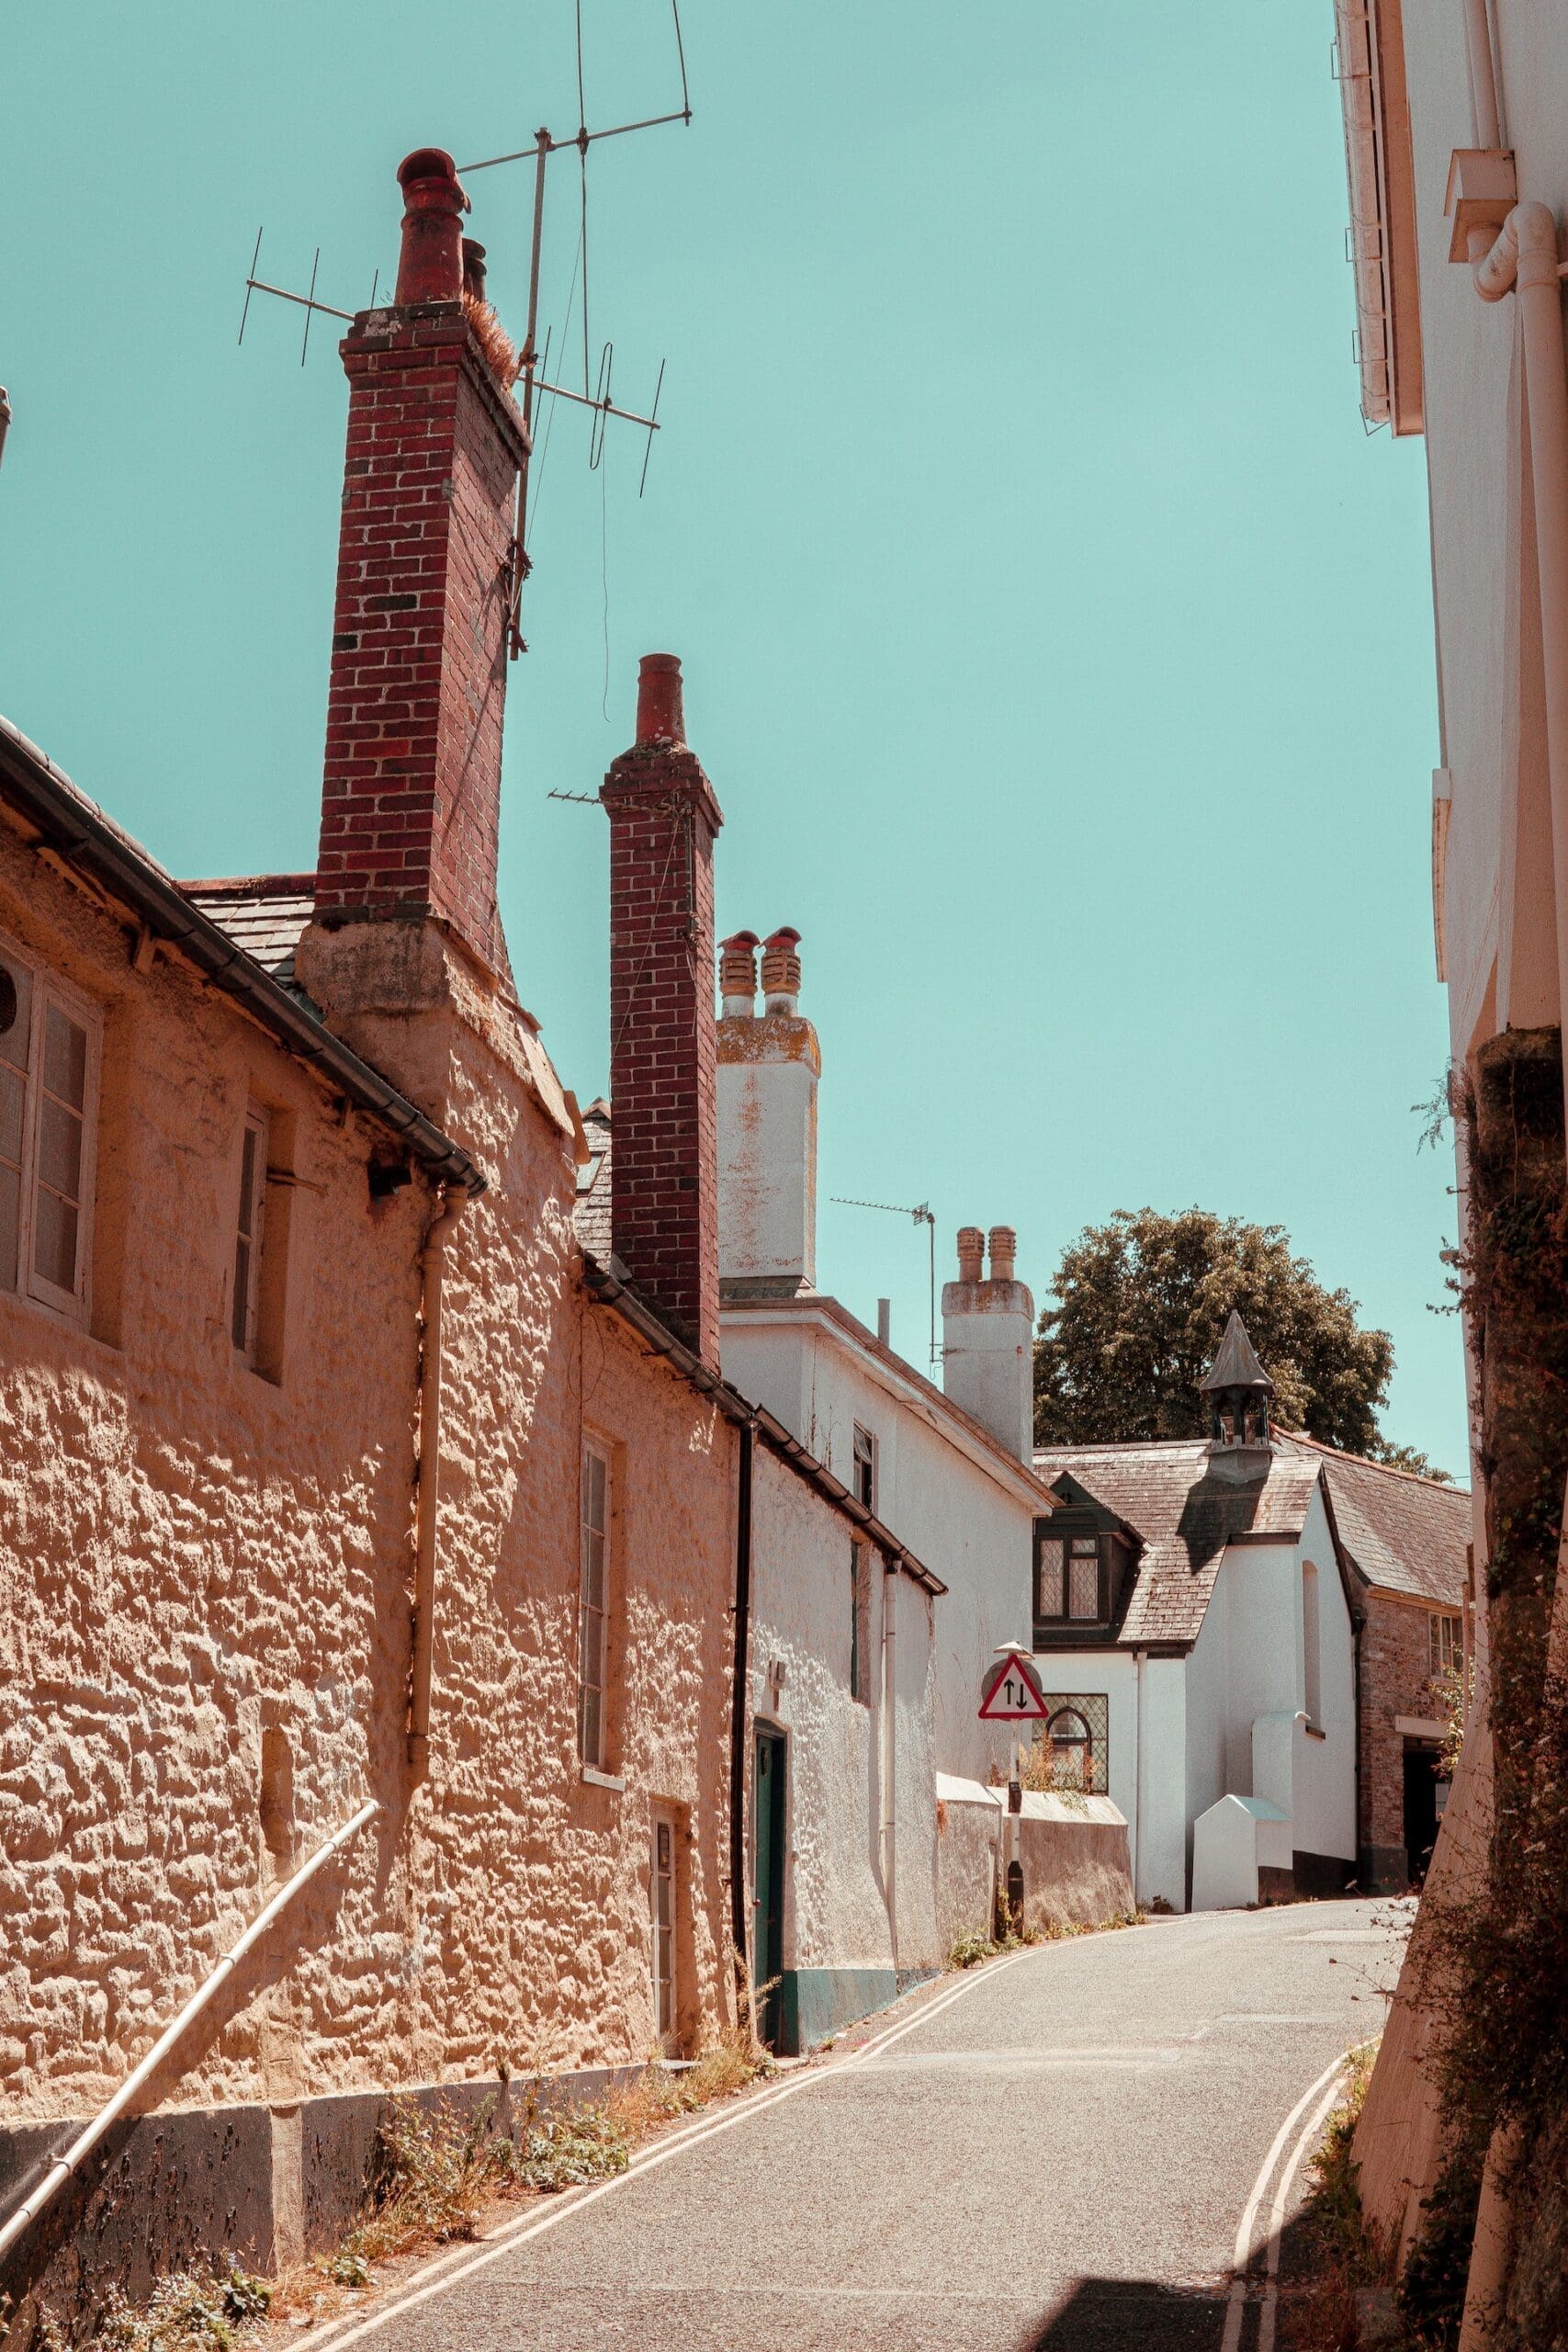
<point>65,1058</point>
<point>13,1105</point>
<point>60,1148</point>
<point>241,1292</point>
<point>16,1014</point>
<point>1048,1602</point>
<point>54,1240</point>
<point>10,1218</point>
<point>1083,1597</point>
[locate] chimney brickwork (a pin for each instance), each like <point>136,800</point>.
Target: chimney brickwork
<point>412,790</point>
<point>664,1202</point>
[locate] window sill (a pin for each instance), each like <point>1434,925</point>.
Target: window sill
<point>592,1777</point>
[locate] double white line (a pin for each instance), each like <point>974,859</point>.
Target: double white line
<point>461,2265</point>
<point>1326,2090</point>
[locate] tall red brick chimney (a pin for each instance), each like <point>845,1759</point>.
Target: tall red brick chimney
<point>412,793</point>
<point>664,1195</point>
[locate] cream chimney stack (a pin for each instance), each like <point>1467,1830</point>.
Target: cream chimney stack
<point>987,1333</point>
<point>768,1067</point>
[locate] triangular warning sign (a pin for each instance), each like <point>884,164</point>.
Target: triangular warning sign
<point>1010,1694</point>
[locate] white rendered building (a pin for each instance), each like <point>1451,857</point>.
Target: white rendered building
<point>1193,1632</point>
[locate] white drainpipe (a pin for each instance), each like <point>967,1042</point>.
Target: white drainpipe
<point>890,1753</point>
<point>82,2145</point>
<point>428,1503</point>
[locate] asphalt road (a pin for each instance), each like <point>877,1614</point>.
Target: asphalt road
<point>1053,2159</point>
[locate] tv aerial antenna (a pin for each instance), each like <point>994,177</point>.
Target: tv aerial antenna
<point>530,385</point>
<point>921,1215</point>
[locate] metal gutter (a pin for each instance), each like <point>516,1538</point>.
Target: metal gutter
<point>611,1291</point>
<point>86,839</point>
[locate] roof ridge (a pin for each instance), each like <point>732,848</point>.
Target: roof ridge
<point>299,886</point>
<point>1389,1469</point>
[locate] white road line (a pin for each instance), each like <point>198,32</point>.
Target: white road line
<point>1277,2217</point>
<point>337,2337</point>
<point>1231,2341</point>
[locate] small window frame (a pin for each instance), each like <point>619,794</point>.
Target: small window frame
<point>50,993</point>
<point>1115,1560</point>
<point>594,1526</point>
<point>250,1238</point>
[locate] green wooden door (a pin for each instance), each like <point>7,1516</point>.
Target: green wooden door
<point>767,1906</point>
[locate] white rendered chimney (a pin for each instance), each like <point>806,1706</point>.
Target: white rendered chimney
<point>768,1068</point>
<point>987,1336</point>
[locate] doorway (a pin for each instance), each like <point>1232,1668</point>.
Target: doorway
<point>767,1906</point>
<point>662,1889</point>
<point>1421,1810</point>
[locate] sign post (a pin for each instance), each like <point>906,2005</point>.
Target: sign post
<point>1011,1694</point>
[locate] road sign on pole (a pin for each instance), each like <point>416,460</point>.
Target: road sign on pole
<point>1009,1694</point>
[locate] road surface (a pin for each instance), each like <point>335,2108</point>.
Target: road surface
<point>1050,2155</point>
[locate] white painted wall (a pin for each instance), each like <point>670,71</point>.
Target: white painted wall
<point>988,1363</point>
<point>968,1515</point>
<point>766,1121</point>
<point>836,1911</point>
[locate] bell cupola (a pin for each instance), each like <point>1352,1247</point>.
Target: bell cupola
<point>1239,1392</point>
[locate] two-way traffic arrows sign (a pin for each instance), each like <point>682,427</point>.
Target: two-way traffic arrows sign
<point>1009,1694</point>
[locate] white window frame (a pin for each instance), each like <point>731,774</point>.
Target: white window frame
<point>592,1622</point>
<point>1445,1642</point>
<point>72,1305</point>
<point>254,1242</point>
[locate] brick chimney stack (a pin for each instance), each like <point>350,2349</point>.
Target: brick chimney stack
<point>664,1202</point>
<point>412,792</point>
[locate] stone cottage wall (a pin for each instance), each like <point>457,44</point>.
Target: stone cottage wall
<point>199,1566</point>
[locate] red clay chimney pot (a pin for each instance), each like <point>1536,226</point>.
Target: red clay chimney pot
<point>660,716</point>
<point>430,266</point>
<point>474,269</point>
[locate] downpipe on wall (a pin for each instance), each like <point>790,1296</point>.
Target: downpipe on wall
<point>455,1200</point>
<point>890,1752</point>
<point>740,1674</point>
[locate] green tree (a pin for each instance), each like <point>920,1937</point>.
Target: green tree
<point>1140,1302</point>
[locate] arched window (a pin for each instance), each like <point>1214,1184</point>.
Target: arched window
<point>1312,1671</point>
<point>1072,1746</point>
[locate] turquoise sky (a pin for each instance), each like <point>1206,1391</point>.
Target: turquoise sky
<point>1058,645</point>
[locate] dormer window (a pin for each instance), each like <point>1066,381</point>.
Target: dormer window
<point>1080,1573</point>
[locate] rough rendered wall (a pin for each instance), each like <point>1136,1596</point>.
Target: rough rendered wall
<point>835,1908</point>
<point>190,1554</point>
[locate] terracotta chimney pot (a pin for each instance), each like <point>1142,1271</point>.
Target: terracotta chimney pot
<point>781,970</point>
<point>1004,1251</point>
<point>430,265</point>
<point>660,715</point>
<point>737,972</point>
<point>971,1250</point>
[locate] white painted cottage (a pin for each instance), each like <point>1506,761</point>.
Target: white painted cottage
<point>1193,1630</point>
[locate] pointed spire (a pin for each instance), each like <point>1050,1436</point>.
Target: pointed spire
<point>1235,1366</point>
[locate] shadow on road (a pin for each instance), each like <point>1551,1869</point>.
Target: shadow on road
<point>1111,2315</point>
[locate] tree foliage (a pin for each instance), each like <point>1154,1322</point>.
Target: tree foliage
<point>1142,1302</point>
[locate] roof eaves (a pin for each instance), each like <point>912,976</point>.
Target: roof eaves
<point>81,833</point>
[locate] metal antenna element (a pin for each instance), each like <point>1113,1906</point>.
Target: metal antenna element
<point>922,1216</point>
<point>530,384</point>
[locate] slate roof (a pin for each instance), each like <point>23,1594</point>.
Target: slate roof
<point>591,1215</point>
<point>1166,1491</point>
<point>1402,1533</point>
<point>263,913</point>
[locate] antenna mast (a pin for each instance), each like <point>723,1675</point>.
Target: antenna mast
<point>530,367</point>
<point>922,1216</point>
